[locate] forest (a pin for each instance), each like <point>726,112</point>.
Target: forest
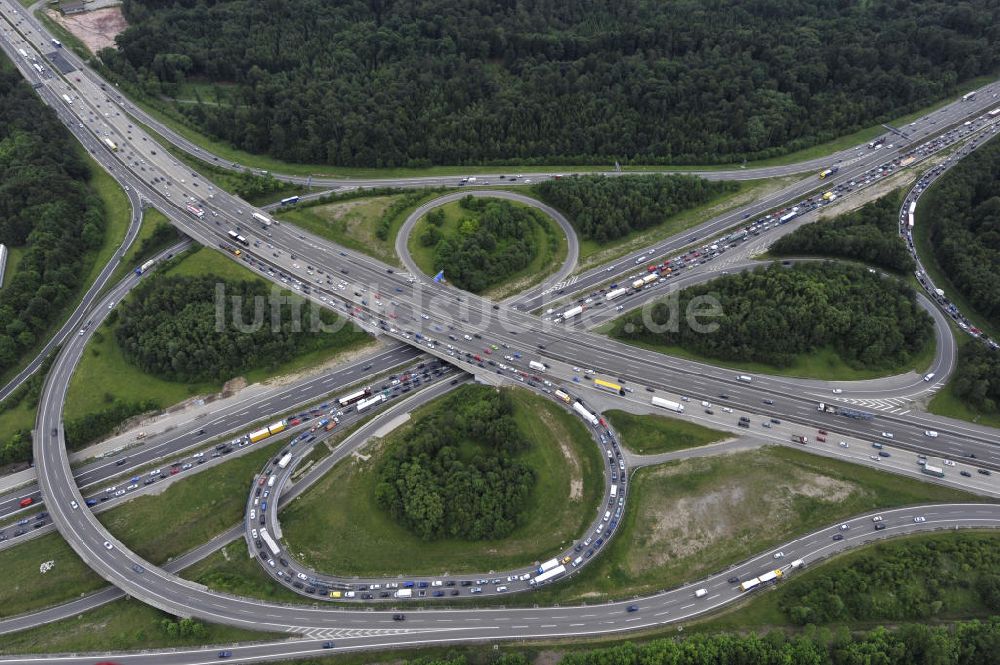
<point>455,473</point>
<point>383,83</point>
<point>963,211</point>
<point>869,234</point>
<point>496,240</point>
<point>169,328</point>
<point>48,211</point>
<point>964,643</point>
<point>900,581</point>
<point>775,313</point>
<point>604,209</point>
<point>977,377</point>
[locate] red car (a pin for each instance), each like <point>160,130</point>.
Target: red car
<point>26,501</point>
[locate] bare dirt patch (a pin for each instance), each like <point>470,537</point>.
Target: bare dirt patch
<point>96,29</point>
<point>735,513</point>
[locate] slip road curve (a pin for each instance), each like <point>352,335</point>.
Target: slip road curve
<point>262,528</point>
<point>572,242</point>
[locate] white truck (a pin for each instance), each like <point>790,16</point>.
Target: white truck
<point>537,366</point>
<point>617,293</point>
<point>668,404</point>
<point>701,593</point>
<point>572,311</point>
<point>403,593</point>
<point>744,377</point>
<point>548,575</point>
<point>547,566</point>
<point>586,415</point>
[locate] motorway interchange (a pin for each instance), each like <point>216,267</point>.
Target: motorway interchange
<point>290,256</point>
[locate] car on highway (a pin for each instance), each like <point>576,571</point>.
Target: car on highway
<point>887,435</point>
<point>779,555</point>
<point>948,462</point>
<point>108,545</point>
<point>844,444</point>
<point>632,608</point>
<point>225,654</point>
<point>838,536</point>
<point>931,433</point>
<point>837,391</point>
<point>965,473</point>
<point>877,518</point>
<point>919,519</point>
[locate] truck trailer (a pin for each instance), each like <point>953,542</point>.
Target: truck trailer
<point>667,404</point>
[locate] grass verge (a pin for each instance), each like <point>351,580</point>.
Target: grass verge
<point>122,625</point>
<point>649,435</point>
<point>359,538</point>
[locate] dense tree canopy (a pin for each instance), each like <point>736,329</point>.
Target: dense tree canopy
<point>603,208</point>
<point>977,378</point>
<point>496,240</point>
<point>389,83</point>
<point>870,235</point>
<point>455,473</point>
<point>170,328</point>
<point>963,210</point>
<point>46,209</point>
<point>773,314</point>
<point>964,643</point>
<point>900,581</point>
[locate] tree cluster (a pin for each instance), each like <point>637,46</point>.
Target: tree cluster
<point>604,209</point>
<point>913,581</point>
<point>775,313</point>
<point>963,210</point>
<point>455,473</point>
<point>170,329</point>
<point>495,241</point>
<point>869,234</point>
<point>378,83</point>
<point>96,424</point>
<point>47,210</point>
<point>964,643</point>
<point>977,377</point>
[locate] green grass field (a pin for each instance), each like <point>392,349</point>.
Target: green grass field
<point>824,364</point>
<point>27,588</point>
<point>649,435</point>
<point>358,538</point>
<point>690,518</point>
<point>351,223</point>
<point>547,259</point>
<point>104,371</point>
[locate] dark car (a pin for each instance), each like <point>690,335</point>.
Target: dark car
<point>328,645</point>
<point>399,617</point>
<point>225,654</point>
<point>735,579</point>
<point>879,526</point>
<point>633,608</point>
<point>838,536</point>
<point>985,472</point>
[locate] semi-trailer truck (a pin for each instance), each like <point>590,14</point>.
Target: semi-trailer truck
<point>616,293</point>
<point>572,311</point>
<point>586,415</point>
<point>537,366</point>
<point>668,404</point>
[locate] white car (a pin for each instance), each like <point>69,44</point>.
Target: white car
<point>253,532</point>
<point>837,391</point>
<point>948,462</point>
<point>919,519</point>
<point>877,518</point>
<point>727,409</point>
<point>887,435</point>
<point>931,433</point>
<point>74,504</point>
<point>501,589</point>
<point>108,545</point>
<point>778,555</point>
<point>197,455</point>
<point>844,444</point>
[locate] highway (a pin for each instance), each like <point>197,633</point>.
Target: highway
<point>311,265</point>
